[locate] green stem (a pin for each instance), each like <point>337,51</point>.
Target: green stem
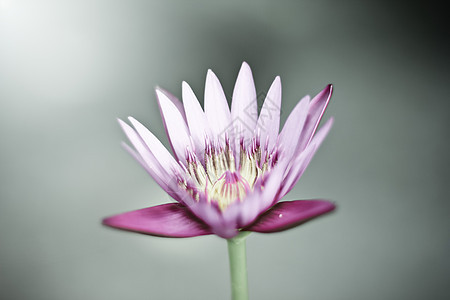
<point>238,266</point>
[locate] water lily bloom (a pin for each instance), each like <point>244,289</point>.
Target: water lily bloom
<point>229,168</point>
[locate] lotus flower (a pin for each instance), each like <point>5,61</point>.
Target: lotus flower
<point>229,168</point>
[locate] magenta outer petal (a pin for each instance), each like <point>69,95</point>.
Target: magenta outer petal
<point>166,220</point>
<point>288,214</point>
<point>316,110</point>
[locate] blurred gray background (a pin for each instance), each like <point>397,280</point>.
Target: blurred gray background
<point>68,69</point>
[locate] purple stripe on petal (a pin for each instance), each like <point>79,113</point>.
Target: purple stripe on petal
<point>288,214</point>
<point>167,220</point>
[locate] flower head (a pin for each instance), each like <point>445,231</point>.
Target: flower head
<point>229,168</point>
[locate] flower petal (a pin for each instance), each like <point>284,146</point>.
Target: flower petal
<point>316,110</point>
<point>244,109</point>
<point>288,214</point>
<point>160,152</point>
<point>213,217</point>
<point>146,155</point>
<point>175,125</point>
<point>162,183</point>
<point>292,129</point>
<point>216,107</point>
<point>264,195</point>
<point>167,220</point>
<point>268,125</point>
<point>175,101</point>
<point>196,119</point>
<point>299,164</point>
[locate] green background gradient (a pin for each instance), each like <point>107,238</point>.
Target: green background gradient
<point>68,69</point>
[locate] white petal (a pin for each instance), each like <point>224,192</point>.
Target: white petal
<point>216,107</point>
<point>292,129</point>
<point>244,109</point>
<point>196,119</point>
<point>176,127</point>
<point>268,125</point>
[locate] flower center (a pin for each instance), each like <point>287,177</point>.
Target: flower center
<point>217,177</point>
<point>230,187</point>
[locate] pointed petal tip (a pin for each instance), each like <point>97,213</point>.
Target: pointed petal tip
<point>210,73</point>
<point>162,92</point>
<point>325,94</point>
<point>159,92</point>
<point>185,87</point>
<point>122,123</point>
<point>245,64</point>
<point>158,89</point>
<point>212,77</point>
<point>330,88</point>
<point>245,68</point>
<point>135,123</point>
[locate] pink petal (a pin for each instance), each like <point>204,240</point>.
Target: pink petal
<point>299,164</point>
<point>146,155</point>
<point>244,110</point>
<point>175,101</point>
<point>216,107</point>
<point>160,152</point>
<point>210,213</point>
<point>292,129</point>
<point>268,125</point>
<point>175,125</point>
<point>167,220</point>
<point>316,110</point>
<point>288,214</point>
<point>196,119</point>
<point>263,196</point>
<point>162,183</point>
<point>213,217</point>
